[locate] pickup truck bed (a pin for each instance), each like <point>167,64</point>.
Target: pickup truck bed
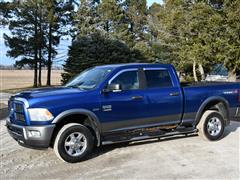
<point>198,94</point>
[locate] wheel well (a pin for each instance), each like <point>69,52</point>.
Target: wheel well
<point>219,106</point>
<point>73,118</point>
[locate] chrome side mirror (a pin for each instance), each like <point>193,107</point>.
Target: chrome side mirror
<point>112,88</point>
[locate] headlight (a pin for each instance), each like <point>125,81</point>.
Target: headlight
<point>40,114</point>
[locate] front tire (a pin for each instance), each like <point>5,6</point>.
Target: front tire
<point>211,126</point>
<point>73,143</point>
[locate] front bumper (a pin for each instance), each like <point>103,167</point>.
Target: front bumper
<point>22,134</point>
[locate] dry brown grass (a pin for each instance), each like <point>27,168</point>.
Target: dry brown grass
<point>17,79</point>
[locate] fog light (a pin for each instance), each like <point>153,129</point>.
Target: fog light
<point>34,133</point>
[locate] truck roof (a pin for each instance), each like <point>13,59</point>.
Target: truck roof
<point>136,65</point>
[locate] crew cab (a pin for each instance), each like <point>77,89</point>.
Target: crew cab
<point>120,103</point>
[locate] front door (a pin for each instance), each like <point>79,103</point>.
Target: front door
<point>125,108</point>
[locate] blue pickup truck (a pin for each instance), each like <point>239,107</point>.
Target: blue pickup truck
<point>120,103</point>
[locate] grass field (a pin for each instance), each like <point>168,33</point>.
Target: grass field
<point>17,79</point>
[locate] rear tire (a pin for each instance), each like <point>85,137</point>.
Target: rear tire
<point>73,143</point>
<point>211,126</point>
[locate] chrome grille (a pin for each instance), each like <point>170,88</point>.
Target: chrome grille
<point>19,117</point>
<point>19,108</point>
<point>16,110</point>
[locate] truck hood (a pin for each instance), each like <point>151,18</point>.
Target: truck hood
<point>58,99</point>
<point>45,92</point>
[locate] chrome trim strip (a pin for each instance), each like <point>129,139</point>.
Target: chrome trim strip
<point>120,72</point>
<point>154,69</point>
<point>25,102</point>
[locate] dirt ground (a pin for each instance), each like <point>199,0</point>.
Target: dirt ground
<point>11,79</point>
<point>175,158</point>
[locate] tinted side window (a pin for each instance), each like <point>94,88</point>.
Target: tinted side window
<point>128,80</point>
<point>158,78</point>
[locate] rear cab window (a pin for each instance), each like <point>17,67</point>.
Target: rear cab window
<point>158,78</point>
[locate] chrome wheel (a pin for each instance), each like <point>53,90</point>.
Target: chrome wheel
<point>75,144</point>
<point>214,126</point>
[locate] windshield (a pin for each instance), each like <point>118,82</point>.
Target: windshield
<point>89,79</point>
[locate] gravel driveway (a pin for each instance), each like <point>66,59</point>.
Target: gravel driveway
<point>175,158</point>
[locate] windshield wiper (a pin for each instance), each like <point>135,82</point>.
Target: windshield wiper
<point>76,85</point>
<point>73,86</point>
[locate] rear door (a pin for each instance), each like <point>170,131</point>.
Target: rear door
<point>165,101</point>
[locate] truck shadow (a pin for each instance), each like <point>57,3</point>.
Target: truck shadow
<point>3,111</point>
<point>107,148</point>
<point>234,125</point>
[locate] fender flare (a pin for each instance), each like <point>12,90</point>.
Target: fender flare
<point>206,102</point>
<point>94,121</point>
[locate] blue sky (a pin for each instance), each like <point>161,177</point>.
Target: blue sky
<point>62,48</point>
<point>152,1</point>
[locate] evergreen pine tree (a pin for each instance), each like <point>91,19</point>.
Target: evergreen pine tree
<point>94,50</point>
<point>24,41</point>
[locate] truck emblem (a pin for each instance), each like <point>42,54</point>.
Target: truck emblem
<point>107,108</point>
<point>230,92</point>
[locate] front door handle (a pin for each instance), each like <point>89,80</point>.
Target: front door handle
<point>174,94</point>
<point>137,97</point>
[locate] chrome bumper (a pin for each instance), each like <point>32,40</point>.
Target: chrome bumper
<point>23,135</point>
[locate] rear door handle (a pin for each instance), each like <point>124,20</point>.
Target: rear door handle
<point>137,97</point>
<point>174,94</point>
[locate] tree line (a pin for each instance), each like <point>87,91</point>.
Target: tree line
<point>36,27</point>
<point>193,35</point>
<point>199,33</point>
